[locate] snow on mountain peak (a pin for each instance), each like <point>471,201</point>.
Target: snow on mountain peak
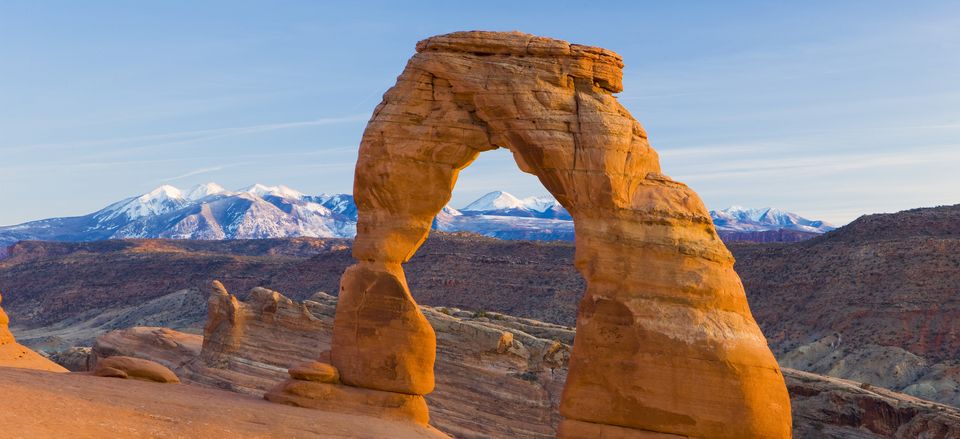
<point>163,192</point>
<point>261,211</point>
<point>205,190</point>
<point>281,191</point>
<point>740,218</point>
<point>539,204</point>
<point>156,202</point>
<point>495,200</point>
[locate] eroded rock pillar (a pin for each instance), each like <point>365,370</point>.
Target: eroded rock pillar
<point>381,340</point>
<point>5,335</point>
<point>383,347</point>
<point>13,354</point>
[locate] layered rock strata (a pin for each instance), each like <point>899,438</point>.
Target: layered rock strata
<point>13,354</point>
<point>833,408</point>
<point>497,375</point>
<point>665,340</point>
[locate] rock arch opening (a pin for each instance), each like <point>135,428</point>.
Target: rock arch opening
<point>665,339</point>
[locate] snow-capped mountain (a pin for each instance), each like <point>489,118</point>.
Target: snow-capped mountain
<point>741,219</point>
<point>204,190</point>
<point>209,211</point>
<point>156,202</point>
<point>516,222</point>
<point>499,203</point>
<point>276,191</point>
<point>204,212</point>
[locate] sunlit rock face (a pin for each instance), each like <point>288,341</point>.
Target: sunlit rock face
<point>13,354</point>
<point>5,335</point>
<point>665,339</point>
<point>497,376</point>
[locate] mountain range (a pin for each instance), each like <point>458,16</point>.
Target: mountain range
<point>209,211</point>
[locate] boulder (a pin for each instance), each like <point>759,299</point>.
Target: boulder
<point>162,345</point>
<point>315,371</point>
<point>135,368</point>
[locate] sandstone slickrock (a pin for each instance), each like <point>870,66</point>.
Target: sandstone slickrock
<point>40,405</point>
<point>486,386</point>
<point>665,339</point>
<point>487,389</point>
<point>12,354</point>
<point>167,347</point>
<point>333,397</point>
<point>134,368</point>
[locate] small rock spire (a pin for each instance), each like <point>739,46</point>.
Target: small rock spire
<point>5,335</point>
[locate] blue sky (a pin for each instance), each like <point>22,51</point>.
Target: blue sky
<point>829,109</point>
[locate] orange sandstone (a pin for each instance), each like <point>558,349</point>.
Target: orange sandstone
<point>13,354</point>
<point>135,369</point>
<point>5,335</point>
<point>666,344</point>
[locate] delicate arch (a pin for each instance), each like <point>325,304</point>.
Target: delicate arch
<point>665,338</point>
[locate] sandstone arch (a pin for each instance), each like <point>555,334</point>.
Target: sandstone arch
<point>665,339</point>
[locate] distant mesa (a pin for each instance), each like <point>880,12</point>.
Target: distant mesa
<point>209,211</point>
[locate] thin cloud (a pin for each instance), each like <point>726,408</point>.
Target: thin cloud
<point>821,165</point>
<point>658,96</point>
<point>716,150</point>
<point>201,171</point>
<point>190,136</point>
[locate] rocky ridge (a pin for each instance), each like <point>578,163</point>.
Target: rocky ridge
<point>874,301</point>
<point>209,211</point>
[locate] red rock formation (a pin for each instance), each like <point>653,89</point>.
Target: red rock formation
<point>40,405</point>
<point>495,379</point>
<point>165,346</point>
<point>666,342</point>
<point>12,354</point>
<point>5,335</point>
<point>497,375</point>
<point>135,369</point>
